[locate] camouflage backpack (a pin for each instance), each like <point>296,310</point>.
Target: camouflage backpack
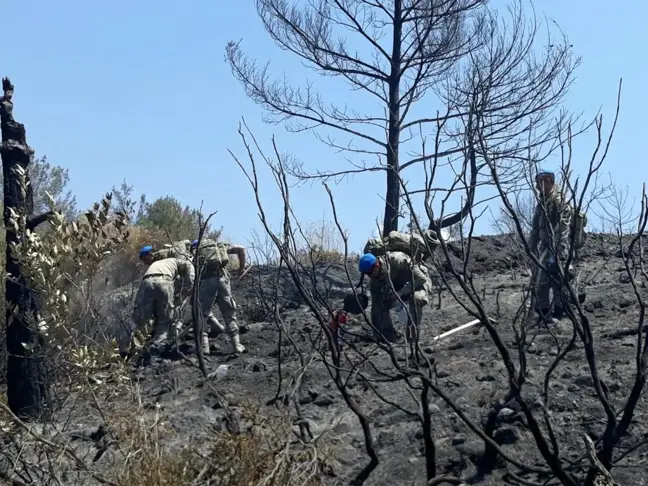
<point>172,250</point>
<point>413,245</point>
<point>213,255</point>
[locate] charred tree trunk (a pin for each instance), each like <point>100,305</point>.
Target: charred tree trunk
<point>28,391</point>
<point>392,196</point>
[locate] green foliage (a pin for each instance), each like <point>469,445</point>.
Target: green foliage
<point>67,257</point>
<point>165,214</point>
<point>124,201</point>
<point>47,178</point>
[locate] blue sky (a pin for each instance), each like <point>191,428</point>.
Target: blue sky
<point>141,91</point>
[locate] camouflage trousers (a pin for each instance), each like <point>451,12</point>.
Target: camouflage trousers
<point>217,290</point>
<point>155,301</point>
<point>546,285</point>
<point>381,317</point>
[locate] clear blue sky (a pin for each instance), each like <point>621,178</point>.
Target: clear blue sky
<point>141,91</point>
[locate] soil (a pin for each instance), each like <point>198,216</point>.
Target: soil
<point>469,370</point>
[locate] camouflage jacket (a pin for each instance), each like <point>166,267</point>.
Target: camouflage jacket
<point>179,270</point>
<point>406,275</point>
<point>551,223</point>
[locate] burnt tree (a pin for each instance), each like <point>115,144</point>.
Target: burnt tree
<point>28,390</point>
<point>447,71</point>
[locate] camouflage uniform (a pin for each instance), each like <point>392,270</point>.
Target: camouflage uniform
<point>178,249</point>
<point>215,288</point>
<point>406,276</point>
<point>182,249</point>
<point>155,296</point>
<point>550,238</point>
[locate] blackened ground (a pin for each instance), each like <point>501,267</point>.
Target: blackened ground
<point>469,369</point>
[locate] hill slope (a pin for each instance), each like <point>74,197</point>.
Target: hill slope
<point>468,365</point>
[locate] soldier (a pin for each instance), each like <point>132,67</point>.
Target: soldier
<point>411,282</point>
<point>549,239</point>
<point>178,249</point>
<point>155,296</point>
<point>215,288</point>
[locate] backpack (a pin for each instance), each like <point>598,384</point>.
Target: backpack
<point>172,250</point>
<point>579,222</point>
<point>213,255</point>
<point>412,245</point>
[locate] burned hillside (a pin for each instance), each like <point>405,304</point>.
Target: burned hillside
<point>282,389</point>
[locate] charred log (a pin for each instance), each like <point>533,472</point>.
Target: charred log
<point>28,377</point>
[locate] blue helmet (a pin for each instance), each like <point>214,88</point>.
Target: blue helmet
<point>194,244</point>
<point>145,250</point>
<point>546,173</point>
<point>367,262</point>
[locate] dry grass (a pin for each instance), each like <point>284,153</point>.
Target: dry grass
<point>318,254</point>
<point>262,455</point>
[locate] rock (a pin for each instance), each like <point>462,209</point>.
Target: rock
<point>259,366</point>
<point>584,380</point>
<point>474,450</point>
<point>624,278</point>
<point>506,415</point>
<point>305,399</point>
<point>506,435</point>
<point>386,438</point>
<point>625,303</point>
<point>416,434</point>
<point>310,424</point>
<point>458,439</point>
<point>324,400</point>
<point>455,346</point>
<point>232,400</point>
<point>486,378</point>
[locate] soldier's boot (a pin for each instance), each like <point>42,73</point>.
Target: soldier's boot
<point>215,327</point>
<point>159,339</point>
<point>236,344</point>
<point>205,344</point>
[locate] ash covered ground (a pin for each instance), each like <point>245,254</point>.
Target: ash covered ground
<point>469,370</point>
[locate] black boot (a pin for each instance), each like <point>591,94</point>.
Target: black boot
<point>558,313</point>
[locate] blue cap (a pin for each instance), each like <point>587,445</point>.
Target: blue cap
<point>194,243</point>
<point>367,262</point>
<point>145,250</point>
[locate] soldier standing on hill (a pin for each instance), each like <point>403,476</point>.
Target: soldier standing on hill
<point>215,287</point>
<point>411,282</point>
<point>549,239</point>
<point>155,299</point>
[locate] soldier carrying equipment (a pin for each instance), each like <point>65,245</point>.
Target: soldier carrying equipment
<point>419,247</point>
